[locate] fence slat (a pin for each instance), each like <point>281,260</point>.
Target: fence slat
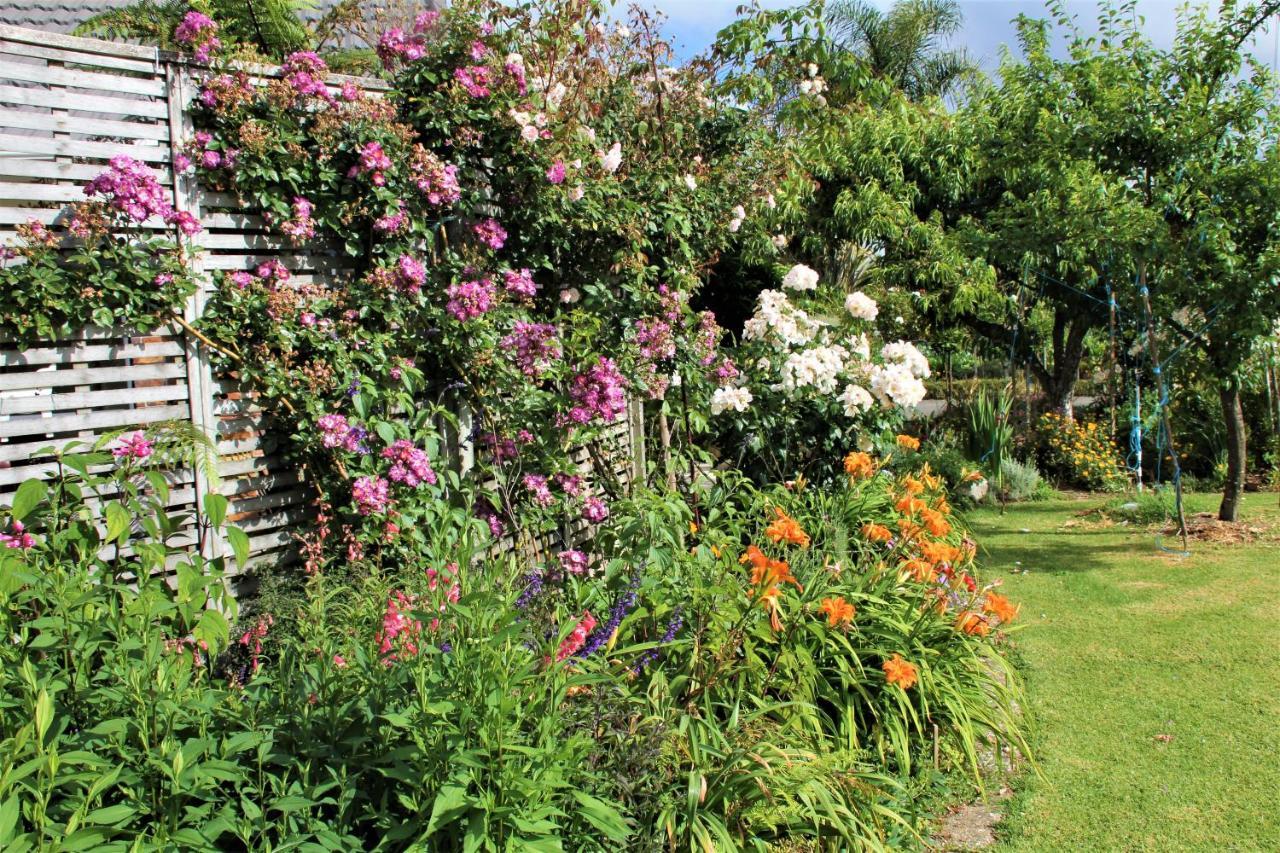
<point>61,99</point>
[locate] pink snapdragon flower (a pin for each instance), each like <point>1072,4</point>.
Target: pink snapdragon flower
<point>578,638</point>
<point>412,467</point>
<point>136,446</point>
<point>400,630</point>
<point>18,538</point>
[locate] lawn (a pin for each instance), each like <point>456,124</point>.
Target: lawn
<point>1154,682</point>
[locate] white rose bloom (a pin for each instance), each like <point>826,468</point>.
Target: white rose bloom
<point>570,295</point>
<point>611,160</point>
<point>856,400</point>
<point>806,87</point>
<point>812,69</point>
<point>780,241</point>
<point>723,399</point>
<point>861,306</point>
<point>777,320</point>
<point>691,182</point>
<point>816,368</point>
<point>529,133</point>
<point>860,345</point>
<point>800,277</point>
<point>894,385</point>
<point>906,354</point>
<point>676,379</point>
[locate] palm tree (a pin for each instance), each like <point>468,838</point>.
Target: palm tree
<point>905,44</point>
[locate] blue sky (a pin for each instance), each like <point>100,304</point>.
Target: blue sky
<point>988,27</point>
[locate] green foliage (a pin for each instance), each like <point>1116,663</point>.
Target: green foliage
<point>990,435</point>
<point>1020,481</point>
<point>1078,454</point>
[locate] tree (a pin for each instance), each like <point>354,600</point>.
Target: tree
<point>903,45</point>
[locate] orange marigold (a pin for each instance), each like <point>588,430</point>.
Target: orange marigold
<point>900,672</point>
<point>973,624</point>
<point>1000,607</point>
<point>786,529</point>
<point>837,610</point>
<point>877,532</point>
<point>859,465</point>
<point>908,442</point>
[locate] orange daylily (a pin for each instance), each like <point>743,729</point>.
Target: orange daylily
<point>766,571</point>
<point>769,601</point>
<point>934,522</point>
<point>877,532</point>
<point>859,465</point>
<point>1000,607</point>
<point>910,505</point>
<point>909,529</point>
<point>930,480</point>
<point>786,529</point>
<point>912,486</point>
<point>837,610</point>
<point>971,476</point>
<point>908,442</point>
<point>973,624</point>
<point>939,552</point>
<point>942,506</point>
<point>920,570</point>
<point>900,672</point>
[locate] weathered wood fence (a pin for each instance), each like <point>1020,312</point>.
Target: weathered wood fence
<point>68,105</point>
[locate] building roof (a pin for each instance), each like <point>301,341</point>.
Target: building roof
<point>63,16</point>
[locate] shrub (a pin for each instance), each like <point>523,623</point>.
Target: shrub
<point>1079,454</point>
<point>1020,481</point>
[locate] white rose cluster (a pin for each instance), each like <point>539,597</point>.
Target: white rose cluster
<point>893,384</point>
<point>906,354</point>
<point>800,277</point>
<point>818,368</point>
<point>611,160</point>
<point>780,322</point>
<point>861,306</point>
<point>724,399</point>
<point>856,400</point>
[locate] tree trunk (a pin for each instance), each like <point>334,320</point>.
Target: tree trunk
<point>1068,351</point>
<point>1233,417</point>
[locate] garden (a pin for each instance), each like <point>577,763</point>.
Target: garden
<point>486,428</point>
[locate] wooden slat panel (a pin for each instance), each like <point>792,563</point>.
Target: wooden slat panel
<point>91,399</point>
<point>90,376</point>
<point>78,57</point>
<point>22,35</point>
<point>13,166</point>
<point>88,352</point>
<point>62,123</point>
<point>100,420</point>
<point>61,99</point>
<point>81,79</point>
<point>81,148</point>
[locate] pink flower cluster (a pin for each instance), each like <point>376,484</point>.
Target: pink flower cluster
<point>198,32</point>
<point>490,233</point>
<point>520,282</point>
<point>19,537</point>
<point>535,347</point>
<point>271,273</point>
<point>726,371</point>
<point>537,486</point>
<point>707,340</point>
<point>136,446</point>
<point>595,510</point>
<point>578,638</point>
<point>399,627</point>
<point>371,494</point>
<point>598,393</point>
<point>515,67</point>
<point>336,432</point>
<point>392,222</point>
<point>373,162</point>
<point>131,188</point>
<point>252,639</point>
<point>570,484</point>
<point>208,158</point>
<point>411,274</point>
<point>474,79</point>
<point>574,562</point>
<point>556,173</point>
<point>411,466</point>
<point>304,72</point>
<point>398,46</point>
<point>301,227</point>
<point>654,338</point>
<point>470,299</point>
<point>435,179</point>
<point>223,91</point>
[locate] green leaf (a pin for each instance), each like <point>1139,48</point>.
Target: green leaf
<point>215,509</point>
<point>239,544</point>
<point>214,630</point>
<point>118,522</point>
<point>43,713</point>
<point>28,496</point>
<point>602,816</point>
<point>8,819</point>
<point>110,815</point>
<point>451,802</point>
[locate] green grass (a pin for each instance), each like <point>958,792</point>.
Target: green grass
<point>1122,643</point>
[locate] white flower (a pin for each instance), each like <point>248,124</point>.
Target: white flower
<point>577,193</point>
<point>856,400</point>
<point>806,87</point>
<point>540,119</point>
<point>521,118</point>
<point>894,385</point>
<point>739,216</point>
<point>555,96</point>
<point>978,490</point>
<point>691,182</point>
<point>800,277</point>
<point>770,202</point>
<point>906,354</point>
<point>818,368</point>
<point>861,306</point>
<point>515,59</point>
<point>860,345</point>
<point>723,399</point>
<point>812,69</point>
<point>676,379</point>
<point>610,160</point>
<point>577,163</point>
<point>623,32</point>
<point>570,295</point>
<point>529,133</point>
<point>780,241</point>
<point>779,322</point>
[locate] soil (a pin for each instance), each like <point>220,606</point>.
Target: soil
<point>1205,527</point>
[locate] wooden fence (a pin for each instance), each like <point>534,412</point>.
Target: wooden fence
<point>68,105</point>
